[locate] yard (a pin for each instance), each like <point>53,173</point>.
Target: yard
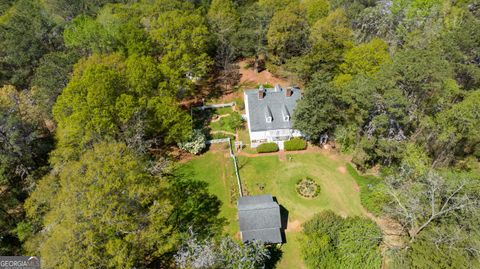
<point>269,174</point>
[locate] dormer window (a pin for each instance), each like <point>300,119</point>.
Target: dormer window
<point>268,115</point>
<point>285,113</point>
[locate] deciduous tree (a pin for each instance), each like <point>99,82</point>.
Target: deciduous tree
<point>288,33</point>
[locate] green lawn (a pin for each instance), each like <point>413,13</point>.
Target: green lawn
<point>217,170</point>
<point>339,191</point>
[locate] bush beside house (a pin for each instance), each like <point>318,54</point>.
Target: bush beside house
<point>295,144</point>
<point>267,147</point>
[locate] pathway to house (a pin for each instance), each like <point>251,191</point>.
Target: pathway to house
<point>219,117</point>
<point>223,132</point>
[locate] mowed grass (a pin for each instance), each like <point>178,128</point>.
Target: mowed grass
<point>217,170</point>
<point>270,175</point>
<point>338,187</point>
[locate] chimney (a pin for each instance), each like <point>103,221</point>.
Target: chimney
<point>261,92</point>
<point>288,92</point>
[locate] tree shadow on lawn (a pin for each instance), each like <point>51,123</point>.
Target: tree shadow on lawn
<point>275,255</point>
<point>242,162</point>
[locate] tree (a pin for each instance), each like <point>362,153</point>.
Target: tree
<point>116,27</point>
<point>5,5</point>
<point>330,241</point>
<point>69,10</point>
<point>288,33</point>
<point>316,9</point>
<point>435,199</point>
<point>329,38</point>
<point>456,131</point>
<point>313,119</point>
<point>223,21</point>
<point>222,253</point>
<point>422,75</point>
<point>365,59</point>
<point>114,207</point>
<point>251,38</point>
<point>182,36</point>
<point>439,212</point>
<point>103,100</point>
<point>107,211</point>
<point>24,147</point>
<point>458,42</point>
<point>87,35</point>
<point>26,34</point>
<point>50,77</point>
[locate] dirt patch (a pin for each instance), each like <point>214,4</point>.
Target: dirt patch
<point>219,117</point>
<point>248,76</point>
<point>342,169</point>
<point>356,187</point>
<point>393,233</point>
<point>294,226</point>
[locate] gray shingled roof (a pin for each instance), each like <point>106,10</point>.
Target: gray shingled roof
<point>259,218</point>
<point>274,101</point>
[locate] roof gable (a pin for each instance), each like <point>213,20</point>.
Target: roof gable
<point>274,104</point>
<point>259,219</point>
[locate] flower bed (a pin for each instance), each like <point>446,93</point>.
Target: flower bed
<point>307,188</point>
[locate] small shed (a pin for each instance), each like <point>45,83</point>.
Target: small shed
<point>260,219</point>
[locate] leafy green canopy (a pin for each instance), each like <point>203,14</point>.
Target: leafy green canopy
<point>112,97</point>
<point>24,146</point>
<point>365,59</point>
<point>26,33</point>
<point>182,37</point>
<point>104,210</point>
<point>331,241</point>
<point>287,33</point>
<point>112,208</point>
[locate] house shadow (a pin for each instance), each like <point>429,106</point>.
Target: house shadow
<point>283,220</point>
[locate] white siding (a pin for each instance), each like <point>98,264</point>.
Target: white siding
<point>277,136</point>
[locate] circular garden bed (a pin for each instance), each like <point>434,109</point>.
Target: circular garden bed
<point>307,188</point>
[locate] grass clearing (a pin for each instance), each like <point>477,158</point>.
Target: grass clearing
<point>280,177</point>
<point>217,170</point>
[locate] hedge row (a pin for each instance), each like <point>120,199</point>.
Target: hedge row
<point>295,144</point>
<point>267,147</point>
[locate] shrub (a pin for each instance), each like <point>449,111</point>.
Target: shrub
<point>295,144</point>
<point>267,147</point>
<point>331,241</point>
<point>239,104</point>
<point>196,143</point>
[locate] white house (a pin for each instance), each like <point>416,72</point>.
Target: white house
<point>269,114</point>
